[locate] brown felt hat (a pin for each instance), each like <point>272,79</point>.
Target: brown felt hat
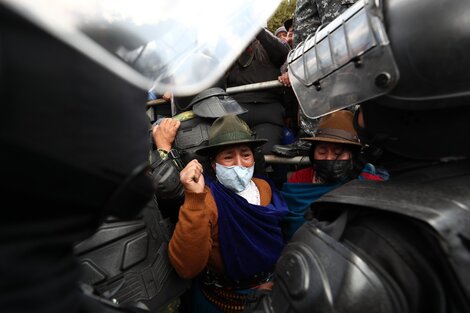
<point>229,130</point>
<point>336,127</point>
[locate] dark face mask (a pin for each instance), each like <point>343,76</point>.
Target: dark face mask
<point>333,171</point>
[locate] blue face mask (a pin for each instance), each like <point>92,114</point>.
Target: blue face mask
<point>235,178</point>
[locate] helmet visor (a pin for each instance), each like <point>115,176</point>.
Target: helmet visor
<point>165,45</point>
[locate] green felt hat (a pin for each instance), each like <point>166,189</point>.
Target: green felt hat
<point>229,130</point>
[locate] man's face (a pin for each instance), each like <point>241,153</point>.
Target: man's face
<point>282,36</point>
<point>331,151</point>
<point>290,36</point>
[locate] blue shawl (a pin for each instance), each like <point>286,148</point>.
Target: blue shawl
<point>298,197</point>
<point>250,235</point>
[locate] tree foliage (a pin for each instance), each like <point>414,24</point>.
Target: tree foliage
<point>285,11</point>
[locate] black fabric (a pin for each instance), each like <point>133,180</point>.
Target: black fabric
<point>333,171</point>
<point>267,56</point>
<point>192,134</point>
<point>403,254</point>
<point>414,134</point>
<point>261,62</point>
<point>127,260</point>
<point>402,251</point>
<point>70,132</point>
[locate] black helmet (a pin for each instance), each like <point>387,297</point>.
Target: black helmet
<point>376,48</point>
<point>215,102</point>
<point>411,77</point>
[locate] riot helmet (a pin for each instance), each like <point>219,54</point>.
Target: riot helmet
<point>206,106</point>
<point>376,48</point>
<point>215,102</point>
<point>409,76</point>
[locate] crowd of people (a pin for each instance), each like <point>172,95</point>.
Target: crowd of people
<point>247,235</point>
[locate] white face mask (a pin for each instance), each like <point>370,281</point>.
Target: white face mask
<point>235,178</point>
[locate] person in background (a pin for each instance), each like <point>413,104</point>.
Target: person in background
<point>309,15</point>
<point>335,156</point>
<point>289,26</point>
<point>399,245</point>
<point>228,235</point>
<point>281,33</point>
<point>260,62</point>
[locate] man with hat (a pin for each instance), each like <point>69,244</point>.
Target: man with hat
<point>335,155</point>
<point>281,33</point>
<point>228,233</point>
<point>289,26</point>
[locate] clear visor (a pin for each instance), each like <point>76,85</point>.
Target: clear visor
<point>160,45</point>
<point>347,62</point>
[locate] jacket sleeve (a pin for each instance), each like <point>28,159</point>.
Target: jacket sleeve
<point>191,242</point>
<point>306,20</point>
<point>276,49</point>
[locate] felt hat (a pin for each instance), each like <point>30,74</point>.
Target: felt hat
<point>336,127</point>
<point>229,130</point>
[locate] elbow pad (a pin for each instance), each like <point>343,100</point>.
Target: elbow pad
<point>166,180</point>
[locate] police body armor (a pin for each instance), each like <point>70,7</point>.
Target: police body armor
<point>323,268</point>
<point>126,262</point>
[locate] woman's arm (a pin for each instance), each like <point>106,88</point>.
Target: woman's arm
<point>191,243</point>
<point>276,49</point>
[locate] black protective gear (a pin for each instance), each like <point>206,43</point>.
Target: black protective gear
<point>418,134</point>
<point>413,231</point>
<point>126,261</point>
<point>216,106</point>
<point>415,66</point>
<point>165,175</point>
<point>316,273</point>
<point>413,86</point>
<point>211,92</point>
<point>437,196</point>
<point>192,134</point>
<point>215,102</point>
<point>395,246</point>
<point>75,154</point>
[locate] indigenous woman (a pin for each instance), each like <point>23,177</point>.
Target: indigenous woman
<point>228,234</point>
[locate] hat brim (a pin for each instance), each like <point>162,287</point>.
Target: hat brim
<point>332,140</point>
<point>208,150</point>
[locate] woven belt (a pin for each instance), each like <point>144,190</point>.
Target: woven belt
<point>228,301</point>
<point>212,278</point>
<point>231,296</point>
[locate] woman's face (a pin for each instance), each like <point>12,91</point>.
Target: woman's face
<point>240,155</point>
<point>331,151</point>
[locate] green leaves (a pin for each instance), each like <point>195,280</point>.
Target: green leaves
<point>285,11</point>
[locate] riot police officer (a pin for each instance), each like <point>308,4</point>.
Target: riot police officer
<point>400,245</point>
<point>178,137</point>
